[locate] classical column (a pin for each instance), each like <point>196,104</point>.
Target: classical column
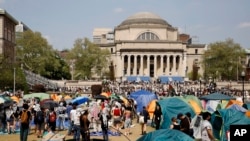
<point>135,65</point>
<point>128,70</point>
<point>122,65</point>
<point>155,66</point>
<point>141,65</point>
<point>174,65</point>
<point>148,62</point>
<point>161,68</point>
<point>167,65</point>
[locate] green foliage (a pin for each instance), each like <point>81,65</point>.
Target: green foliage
<point>86,58</point>
<point>36,55</point>
<point>222,60</point>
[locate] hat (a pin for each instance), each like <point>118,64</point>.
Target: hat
<point>179,115</point>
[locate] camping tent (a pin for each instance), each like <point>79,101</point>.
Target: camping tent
<point>151,108</point>
<point>171,107</point>
<point>194,102</point>
<point>166,135</point>
<point>222,119</point>
<point>142,98</point>
<point>216,96</point>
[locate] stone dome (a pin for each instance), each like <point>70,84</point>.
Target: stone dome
<point>144,18</point>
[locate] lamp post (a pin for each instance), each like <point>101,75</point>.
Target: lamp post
<point>200,86</point>
<point>243,79</point>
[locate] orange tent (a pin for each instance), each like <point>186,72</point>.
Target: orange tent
<point>230,102</point>
<point>151,108</point>
<point>105,94</point>
<point>67,97</point>
<point>14,98</point>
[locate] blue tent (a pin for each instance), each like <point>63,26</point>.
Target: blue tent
<point>166,135</point>
<point>171,107</point>
<point>222,119</point>
<point>142,98</point>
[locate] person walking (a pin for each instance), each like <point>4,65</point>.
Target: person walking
<point>25,117</point>
<point>52,120</point>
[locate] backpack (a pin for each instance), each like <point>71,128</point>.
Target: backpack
<point>25,117</point>
<point>52,117</point>
<point>40,116</point>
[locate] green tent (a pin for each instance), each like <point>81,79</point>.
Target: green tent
<point>166,135</point>
<point>41,96</point>
<point>171,107</point>
<point>222,119</point>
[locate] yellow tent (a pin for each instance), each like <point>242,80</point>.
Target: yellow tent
<point>230,102</point>
<point>14,98</point>
<point>67,97</point>
<point>195,106</point>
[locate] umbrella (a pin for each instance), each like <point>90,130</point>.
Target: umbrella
<point>80,100</point>
<point>41,96</point>
<point>100,97</point>
<point>49,104</point>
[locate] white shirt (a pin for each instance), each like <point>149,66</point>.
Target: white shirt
<point>204,135</point>
<point>75,117</point>
<point>196,129</point>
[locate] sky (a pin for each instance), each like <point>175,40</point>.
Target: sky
<point>61,22</point>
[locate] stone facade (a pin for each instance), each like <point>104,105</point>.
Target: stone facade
<point>146,45</point>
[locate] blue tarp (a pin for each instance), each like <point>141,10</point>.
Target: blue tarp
<point>166,135</point>
<point>171,107</point>
<point>80,100</point>
<point>142,98</point>
<point>138,78</point>
<point>167,79</point>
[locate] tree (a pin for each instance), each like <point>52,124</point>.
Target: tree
<point>221,60</point>
<point>88,59</point>
<point>36,55</point>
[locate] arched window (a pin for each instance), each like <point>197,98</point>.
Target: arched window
<point>147,36</point>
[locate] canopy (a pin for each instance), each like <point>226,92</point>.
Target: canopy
<point>142,98</point>
<point>39,95</point>
<point>171,107</point>
<point>216,96</point>
<point>166,135</point>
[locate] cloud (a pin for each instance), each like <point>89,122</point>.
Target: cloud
<point>244,25</point>
<point>118,10</point>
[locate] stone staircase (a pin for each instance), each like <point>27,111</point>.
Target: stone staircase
<point>33,79</point>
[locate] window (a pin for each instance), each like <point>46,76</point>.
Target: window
<point>148,36</point>
<point>196,51</point>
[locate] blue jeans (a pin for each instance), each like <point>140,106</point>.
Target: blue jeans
<point>24,131</point>
<point>61,121</point>
<point>70,127</point>
<point>77,132</point>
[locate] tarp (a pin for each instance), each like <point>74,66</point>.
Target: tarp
<point>172,106</point>
<point>167,79</point>
<point>216,96</point>
<point>166,135</point>
<point>222,119</point>
<point>138,78</point>
<point>142,98</point>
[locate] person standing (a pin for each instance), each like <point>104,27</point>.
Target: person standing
<point>76,121</point>
<point>157,117</point>
<point>52,120</point>
<point>25,117</point>
<point>145,115</point>
<point>62,111</point>
<point>206,128</point>
<point>84,124</point>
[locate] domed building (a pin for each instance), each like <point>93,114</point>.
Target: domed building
<point>146,47</point>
